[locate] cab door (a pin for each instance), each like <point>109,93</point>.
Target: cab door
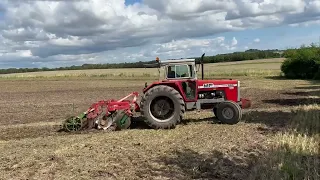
<point>190,90</point>
<point>183,74</point>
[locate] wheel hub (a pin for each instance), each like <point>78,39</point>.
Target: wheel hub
<point>162,108</point>
<point>227,113</point>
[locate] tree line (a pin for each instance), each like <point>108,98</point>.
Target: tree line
<point>250,54</point>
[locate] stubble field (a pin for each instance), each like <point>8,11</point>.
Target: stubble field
<point>277,138</point>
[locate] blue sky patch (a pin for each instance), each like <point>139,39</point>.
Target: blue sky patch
<point>128,2</point>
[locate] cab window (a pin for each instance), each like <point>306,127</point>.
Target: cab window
<point>178,71</point>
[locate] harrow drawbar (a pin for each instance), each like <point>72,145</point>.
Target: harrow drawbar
<point>105,114</point>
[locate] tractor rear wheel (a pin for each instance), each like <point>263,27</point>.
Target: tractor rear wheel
<point>162,107</point>
<point>228,112</point>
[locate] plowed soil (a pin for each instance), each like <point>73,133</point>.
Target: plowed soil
<point>32,147</point>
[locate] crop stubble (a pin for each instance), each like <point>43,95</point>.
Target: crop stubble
<point>31,147</point>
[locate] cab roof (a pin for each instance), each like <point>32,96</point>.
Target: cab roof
<point>178,61</point>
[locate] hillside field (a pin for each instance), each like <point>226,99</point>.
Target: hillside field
<point>266,67</point>
<point>278,136</point>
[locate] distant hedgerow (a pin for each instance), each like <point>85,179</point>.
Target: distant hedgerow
<point>302,63</point>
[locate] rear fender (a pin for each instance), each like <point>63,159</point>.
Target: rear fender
<point>174,85</point>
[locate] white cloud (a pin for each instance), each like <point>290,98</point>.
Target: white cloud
<point>71,41</point>
<point>74,30</point>
<point>185,46</point>
<point>234,41</point>
<point>306,24</point>
<point>256,40</point>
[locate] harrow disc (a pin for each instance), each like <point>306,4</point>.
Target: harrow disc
<point>73,124</point>
<point>116,121</point>
<point>122,120</point>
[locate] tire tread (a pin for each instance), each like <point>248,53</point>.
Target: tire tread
<point>170,90</point>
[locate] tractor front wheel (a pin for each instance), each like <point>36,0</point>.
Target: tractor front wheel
<point>162,107</point>
<point>228,112</point>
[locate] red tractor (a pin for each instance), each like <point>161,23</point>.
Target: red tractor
<point>164,102</point>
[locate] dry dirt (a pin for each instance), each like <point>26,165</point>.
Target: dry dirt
<point>32,148</point>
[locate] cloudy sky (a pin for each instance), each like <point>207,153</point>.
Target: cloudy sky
<point>55,33</point>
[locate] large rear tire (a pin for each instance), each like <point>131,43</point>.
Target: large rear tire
<point>162,107</point>
<point>228,112</point>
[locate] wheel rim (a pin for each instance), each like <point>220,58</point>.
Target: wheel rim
<point>162,109</point>
<point>227,113</point>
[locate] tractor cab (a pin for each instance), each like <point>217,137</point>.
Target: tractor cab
<point>181,69</point>
<point>183,72</point>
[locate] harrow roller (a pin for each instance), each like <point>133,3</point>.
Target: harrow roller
<point>73,124</point>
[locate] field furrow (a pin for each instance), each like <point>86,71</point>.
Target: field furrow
<point>278,135</point>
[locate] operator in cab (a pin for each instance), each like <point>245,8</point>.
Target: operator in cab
<point>171,73</point>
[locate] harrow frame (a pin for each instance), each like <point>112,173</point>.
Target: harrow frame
<point>103,109</point>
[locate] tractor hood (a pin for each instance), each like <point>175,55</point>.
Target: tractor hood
<point>217,83</point>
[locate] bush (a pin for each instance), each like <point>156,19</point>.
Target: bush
<point>317,75</point>
<point>302,63</point>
